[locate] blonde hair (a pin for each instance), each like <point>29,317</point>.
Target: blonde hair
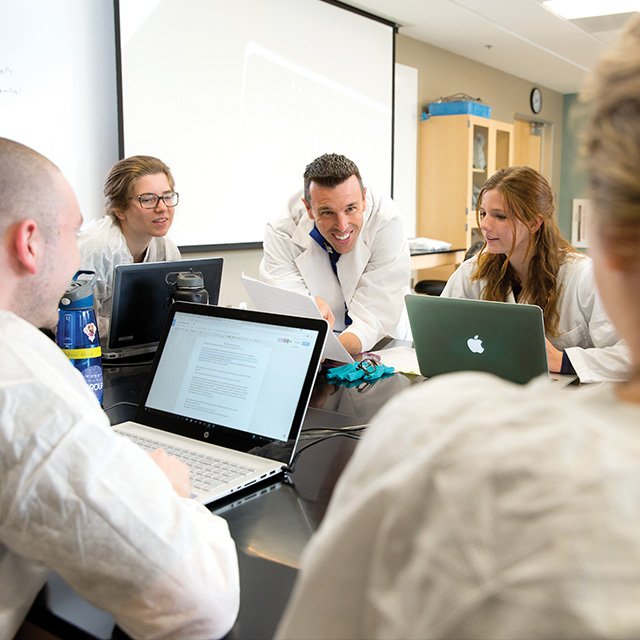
<point>118,186</point>
<point>528,198</point>
<point>611,145</point>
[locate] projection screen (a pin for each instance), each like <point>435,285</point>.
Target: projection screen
<point>237,97</point>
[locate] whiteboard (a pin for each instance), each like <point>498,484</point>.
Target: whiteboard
<point>405,145</point>
<point>58,87</point>
<point>238,97</point>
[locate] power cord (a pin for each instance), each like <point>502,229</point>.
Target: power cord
<point>338,433</point>
<point>355,427</point>
<point>117,364</point>
<point>119,404</point>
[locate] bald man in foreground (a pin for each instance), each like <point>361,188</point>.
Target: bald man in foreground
<point>115,522</point>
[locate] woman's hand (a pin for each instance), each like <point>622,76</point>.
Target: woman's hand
<point>554,358</point>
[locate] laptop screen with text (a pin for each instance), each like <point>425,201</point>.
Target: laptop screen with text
<point>227,373</point>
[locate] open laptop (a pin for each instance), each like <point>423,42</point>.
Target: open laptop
<point>141,300</point>
<point>453,334</point>
<point>229,384</point>
<point>267,297</point>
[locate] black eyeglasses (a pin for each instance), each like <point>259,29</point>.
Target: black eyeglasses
<point>150,200</point>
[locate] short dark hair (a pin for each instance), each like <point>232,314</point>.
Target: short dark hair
<point>330,170</point>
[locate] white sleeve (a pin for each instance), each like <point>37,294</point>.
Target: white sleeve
<point>600,355</point>
<point>378,302</point>
<point>278,266</point>
<point>171,250</point>
<point>102,246</point>
<point>424,537</point>
<point>460,285</point>
<point>352,579</point>
<point>95,508</point>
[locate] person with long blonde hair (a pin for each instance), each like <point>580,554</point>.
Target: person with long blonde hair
<point>526,259</point>
<point>477,508</point>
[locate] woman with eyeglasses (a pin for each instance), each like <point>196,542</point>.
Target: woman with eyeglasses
<point>140,201</point>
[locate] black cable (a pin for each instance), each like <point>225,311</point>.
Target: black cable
<point>116,364</point>
<point>292,467</point>
<point>320,431</point>
<point>348,427</point>
<point>118,404</point>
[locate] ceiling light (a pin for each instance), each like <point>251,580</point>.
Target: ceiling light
<point>571,9</point>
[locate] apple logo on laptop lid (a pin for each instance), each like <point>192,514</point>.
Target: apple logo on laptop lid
<point>475,344</point>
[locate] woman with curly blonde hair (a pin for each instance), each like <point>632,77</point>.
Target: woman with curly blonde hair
<point>526,259</point>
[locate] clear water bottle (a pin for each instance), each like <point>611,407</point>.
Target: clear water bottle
<point>77,330</point>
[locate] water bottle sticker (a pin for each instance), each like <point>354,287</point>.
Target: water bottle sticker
<point>93,376</point>
<point>90,330</point>
<point>83,354</point>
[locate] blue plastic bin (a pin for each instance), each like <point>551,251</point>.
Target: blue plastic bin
<point>459,106</point>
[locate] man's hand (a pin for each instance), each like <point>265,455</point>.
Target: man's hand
<point>325,310</point>
<point>351,343</point>
<point>176,470</point>
<point>554,358</point>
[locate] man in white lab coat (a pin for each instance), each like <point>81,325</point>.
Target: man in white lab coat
<point>346,247</point>
<point>115,522</point>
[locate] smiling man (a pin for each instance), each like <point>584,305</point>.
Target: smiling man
<point>346,247</point>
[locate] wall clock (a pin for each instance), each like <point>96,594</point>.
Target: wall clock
<point>535,100</point>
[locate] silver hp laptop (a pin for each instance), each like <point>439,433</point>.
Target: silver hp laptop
<point>141,301</point>
<point>453,334</point>
<point>227,393</point>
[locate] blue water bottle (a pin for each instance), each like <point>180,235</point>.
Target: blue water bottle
<point>77,330</point>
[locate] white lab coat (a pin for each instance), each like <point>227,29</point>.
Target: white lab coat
<point>102,247</point>
<point>475,508</point>
<point>587,336</point>
<point>372,280</point>
<point>78,499</point>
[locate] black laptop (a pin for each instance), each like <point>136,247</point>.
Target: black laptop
<point>141,299</point>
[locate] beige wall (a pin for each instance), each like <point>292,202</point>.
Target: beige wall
<point>441,73</point>
<point>232,293</point>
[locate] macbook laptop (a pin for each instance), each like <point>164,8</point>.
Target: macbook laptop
<point>141,300</point>
<point>228,392</point>
<point>453,334</point>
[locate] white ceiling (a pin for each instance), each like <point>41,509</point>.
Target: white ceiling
<point>519,37</point>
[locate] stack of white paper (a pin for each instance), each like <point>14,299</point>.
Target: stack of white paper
<point>266,297</point>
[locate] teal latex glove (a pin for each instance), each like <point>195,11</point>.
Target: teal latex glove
<point>366,370</point>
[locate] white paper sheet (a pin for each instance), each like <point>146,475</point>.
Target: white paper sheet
<point>266,297</point>
<point>402,359</point>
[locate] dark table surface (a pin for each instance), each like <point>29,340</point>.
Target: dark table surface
<point>270,525</point>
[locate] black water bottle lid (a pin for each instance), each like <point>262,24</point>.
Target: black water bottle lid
<point>189,280</point>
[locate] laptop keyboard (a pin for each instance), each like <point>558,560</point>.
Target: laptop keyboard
<point>207,472</point>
